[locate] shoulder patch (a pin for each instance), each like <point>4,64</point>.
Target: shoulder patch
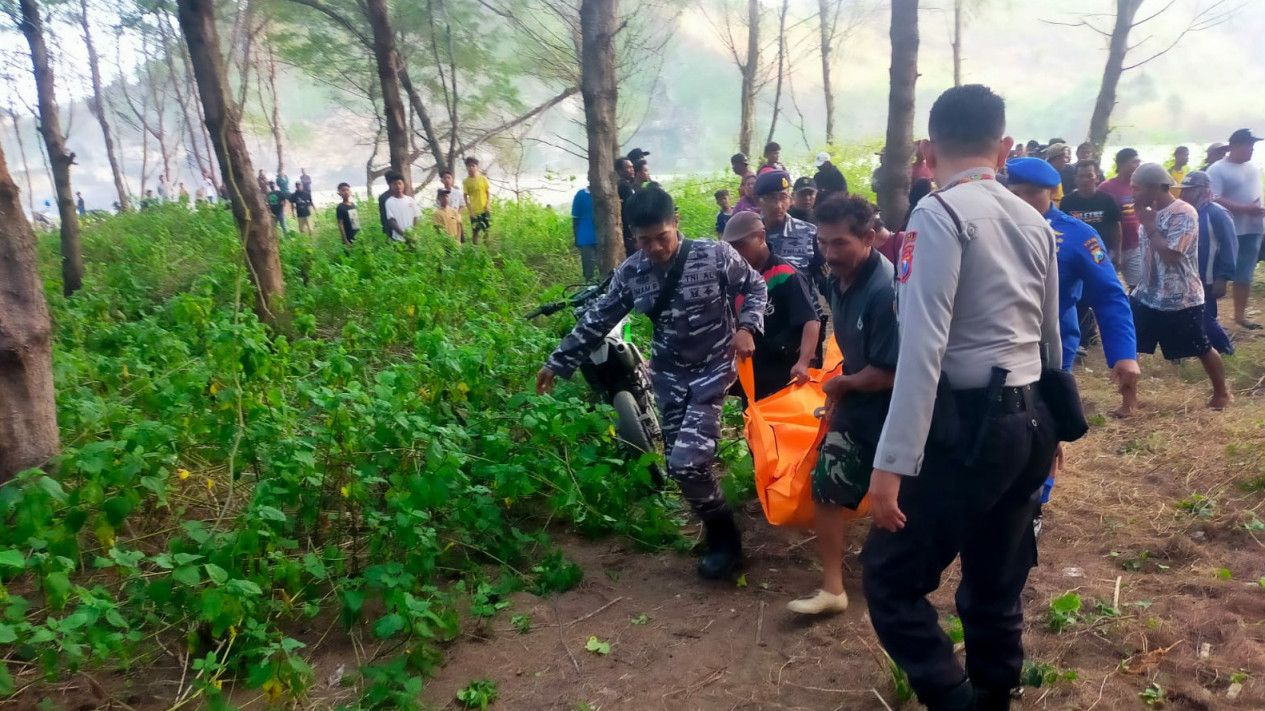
<point>905,266</point>
<point>1095,250</point>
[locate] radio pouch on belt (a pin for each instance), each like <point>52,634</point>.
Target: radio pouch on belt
<point>1063,398</point>
<point>671,281</point>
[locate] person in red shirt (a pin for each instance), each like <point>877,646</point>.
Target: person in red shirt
<point>920,170</point>
<point>1130,262</point>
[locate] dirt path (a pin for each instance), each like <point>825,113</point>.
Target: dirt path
<point>1117,521</point>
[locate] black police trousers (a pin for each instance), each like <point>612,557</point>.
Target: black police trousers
<point>976,500</point>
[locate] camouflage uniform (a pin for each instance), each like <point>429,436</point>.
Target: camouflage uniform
<point>796,243</point>
<point>690,364</point>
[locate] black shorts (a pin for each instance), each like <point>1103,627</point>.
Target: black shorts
<point>481,222</point>
<point>1179,334</point>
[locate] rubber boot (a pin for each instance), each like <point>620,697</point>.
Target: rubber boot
<point>987,699</point>
<point>723,547</point>
<point>960,698</point>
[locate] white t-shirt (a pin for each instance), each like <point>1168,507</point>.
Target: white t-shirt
<point>405,212</point>
<point>456,198</point>
<point>208,189</point>
<point>1239,182</point>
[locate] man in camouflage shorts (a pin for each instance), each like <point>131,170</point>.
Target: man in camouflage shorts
<point>861,298</point>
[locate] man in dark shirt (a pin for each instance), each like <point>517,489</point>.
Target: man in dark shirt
<point>302,201</point>
<point>792,321</point>
<point>347,215</point>
<point>277,204</point>
<point>1094,207</point>
<point>829,180</point>
<point>861,299</point>
<point>625,171</point>
<point>803,197</point>
<point>391,177</point>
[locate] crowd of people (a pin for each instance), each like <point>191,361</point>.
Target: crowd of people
<point>959,324</point>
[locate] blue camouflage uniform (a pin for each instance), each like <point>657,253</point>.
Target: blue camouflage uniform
<point>1086,274</point>
<point>1218,252</point>
<point>691,367</point>
<point>796,242</point>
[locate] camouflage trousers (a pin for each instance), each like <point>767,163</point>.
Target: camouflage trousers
<point>690,404</point>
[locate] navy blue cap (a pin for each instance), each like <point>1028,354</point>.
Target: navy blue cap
<point>772,181</point>
<point>1034,171</point>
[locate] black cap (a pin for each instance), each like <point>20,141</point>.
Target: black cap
<point>739,158</point>
<point>805,183</point>
<point>1243,135</point>
<point>637,154</point>
<point>772,181</point>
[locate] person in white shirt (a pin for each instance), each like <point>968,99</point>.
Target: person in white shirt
<point>164,190</point>
<point>1236,186</point>
<point>208,188</point>
<point>402,212</point>
<point>456,198</point>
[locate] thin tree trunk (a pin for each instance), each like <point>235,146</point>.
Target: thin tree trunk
<point>746,126</point>
<point>26,167</point>
<point>170,48</point>
<point>388,63</point>
<point>61,160</point>
<point>826,27</point>
<point>601,94</point>
<point>957,42</point>
<point>1100,123</point>
<point>893,193</point>
<point>98,107</point>
<point>276,109</point>
<point>28,412</point>
<point>204,136</point>
<point>197,22</point>
<point>429,134</point>
<point>781,63</point>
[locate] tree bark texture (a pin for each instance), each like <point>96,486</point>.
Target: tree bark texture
<point>823,13</point>
<point>1100,122</point>
<point>276,109</point>
<point>893,192</point>
<point>388,63</point>
<point>97,104</point>
<point>601,94</point>
<point>60,160</point>
<point>746,127</point>
<point>197,23</point>
<point>26,167</point>
<point>781,67</point>
<point>28,413</point>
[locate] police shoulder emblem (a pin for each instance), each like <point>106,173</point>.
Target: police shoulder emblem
<point>1095,250</point>
<point>905,265</point>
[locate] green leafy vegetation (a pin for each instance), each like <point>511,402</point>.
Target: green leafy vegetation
<point>1064,612</point>
<point>1197,505</point>
<point>1037,675</point>
<point>380,461</point>
<point>1153,695</point>
<point>478,694</point>
<point>597,646</point>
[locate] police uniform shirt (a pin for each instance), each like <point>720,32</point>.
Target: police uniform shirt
<point>865,329</point>
<point>1087,275</point>
<point>967,301</point>
<point>698,325</point>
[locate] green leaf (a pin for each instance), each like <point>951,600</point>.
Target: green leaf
<point>53,488</point>
<point>217,574</point>
<point>597,646</point>
<point>57,588</point>
<point>6,681</point>
<point>244,586</point>
<point>187,575</point>
<point>268,513</point>
<point>12,558</point>
<point>1071,602</point>
<point>388,625</point>
<point>7,635</point>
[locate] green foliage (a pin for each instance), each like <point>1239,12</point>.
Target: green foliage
<point>1197,505</point>
<point>1064,611</point>
<point>521,623</point>
<point>1153,695</point>
<point>597,646</point>
<point>478,694</point>
<point>952,627</point>
<point>901,687</point>
<point>226,483</point>
<point>1038,675</point>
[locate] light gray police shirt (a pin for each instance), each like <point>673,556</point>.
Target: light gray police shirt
<point>967,301</point>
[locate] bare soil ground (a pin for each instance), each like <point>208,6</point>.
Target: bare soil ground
<point>1170,585</point>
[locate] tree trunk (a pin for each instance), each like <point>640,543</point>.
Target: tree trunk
<point>60,160</point>
<point>823,15</point>
<point>601,94</point>
<point>28,413</point>
<point>781,64</point>
<point>197,22</point>
<point>957,42</point>
<point>1100,123</point>
<point>388,62</point>
<point>173,78</point>
<point>893,193</point>
<point>97,103</point>
<point>200,124</point>
<point>746,128</point>
<point>276,109</point>
<point>26,167</point>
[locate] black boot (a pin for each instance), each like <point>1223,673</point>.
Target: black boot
<point>987,699</point>
<point>960,698</point>
<point>723,547</point>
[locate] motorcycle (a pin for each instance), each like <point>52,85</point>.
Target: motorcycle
<point>618,374</point>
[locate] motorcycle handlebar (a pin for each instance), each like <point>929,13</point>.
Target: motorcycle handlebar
<point>547,310</point>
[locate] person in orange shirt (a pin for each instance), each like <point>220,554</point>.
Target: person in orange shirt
<point>447,220</point>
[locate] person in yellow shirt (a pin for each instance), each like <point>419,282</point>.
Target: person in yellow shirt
<point>447,220</point>
<point>1059,155</point>
<point>1179,169</point>
<point>478,199</point>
